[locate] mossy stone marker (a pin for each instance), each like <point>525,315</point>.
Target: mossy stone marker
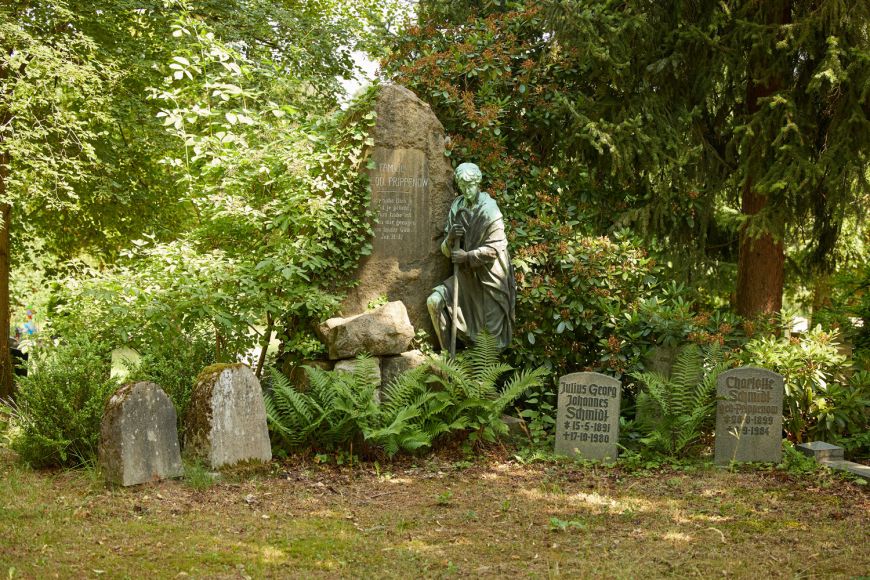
<point>587,423</point>
<point>749,416</point>
<point>226,418</point>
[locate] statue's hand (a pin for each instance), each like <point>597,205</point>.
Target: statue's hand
<point>459,256</point>
<point>457,231</point>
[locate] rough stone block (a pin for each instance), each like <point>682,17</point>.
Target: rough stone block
<point>393,366</point>
<point>411,192</point>
<point>226,420</point>
<point>139,436</point>
<point>385,330</point>
<point>351,365</point>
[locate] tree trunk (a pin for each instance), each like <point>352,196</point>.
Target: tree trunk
<point>6,217</point>
<point>760,265</point>
<point>822,292</point>
<point>761,260</point>
<point>5,357</point>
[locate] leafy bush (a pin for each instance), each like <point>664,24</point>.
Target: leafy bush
<point>821,400</point>
<point>439,398</point>
<point>173,364</point>
<point>672,412</point>
<point>60,403</point>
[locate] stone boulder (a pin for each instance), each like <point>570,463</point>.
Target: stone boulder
<point>226,419</point>
<point>386,330</point>
<point>139,436</point>
<point>393,366</point>
<point>351,365</point>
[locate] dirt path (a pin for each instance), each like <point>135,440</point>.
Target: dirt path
<point>493,518</point>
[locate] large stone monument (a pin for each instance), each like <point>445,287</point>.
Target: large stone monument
<point>411,183</point>
<point>748,416</point>
<point>226,419</point>
<point>139,437</point>
<point>587,420</point>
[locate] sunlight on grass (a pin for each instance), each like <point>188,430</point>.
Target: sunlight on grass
<point>677,537</point>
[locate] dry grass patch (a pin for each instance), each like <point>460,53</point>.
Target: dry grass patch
<point>495,518</point>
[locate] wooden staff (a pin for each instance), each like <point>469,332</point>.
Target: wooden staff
<point>455,322</point>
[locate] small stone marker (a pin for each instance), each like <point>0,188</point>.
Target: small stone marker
<point>226,420</point>
<point>139,436</point>
<point>821,451</point>
<point>833,456</point>
<point>587,423</point>
<point>749,416</point>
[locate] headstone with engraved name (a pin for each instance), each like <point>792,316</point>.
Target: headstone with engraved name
<point>411,191</point>
<point>749,416</point>
<point>587,423</point>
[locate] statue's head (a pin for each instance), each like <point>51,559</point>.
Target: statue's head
<point>468,178</point>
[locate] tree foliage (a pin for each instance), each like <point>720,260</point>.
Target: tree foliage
<point>691,121</point>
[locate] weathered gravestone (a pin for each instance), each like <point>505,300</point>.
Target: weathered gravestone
<point>749,415</point>
<point>411,185</point>
<point>139,437</point>
<point>587,423</point>
<point>226,419</point>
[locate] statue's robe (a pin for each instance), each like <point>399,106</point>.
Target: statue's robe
<point>487,290</point>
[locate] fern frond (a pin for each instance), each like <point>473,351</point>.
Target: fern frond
<point>483,355</point>
<point>518,385</point>
<point>486,378</point>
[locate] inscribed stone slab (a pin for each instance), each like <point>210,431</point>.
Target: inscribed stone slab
<point>749,416</point>
<point>399,181</point>
<point>587,423</point>
<point>412,188</point>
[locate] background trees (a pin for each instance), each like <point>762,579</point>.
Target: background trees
<point>86,164</point>
<point>698,122</point>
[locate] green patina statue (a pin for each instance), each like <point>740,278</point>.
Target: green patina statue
<point>481,293</point>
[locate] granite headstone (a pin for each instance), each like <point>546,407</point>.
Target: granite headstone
<point>587,424</point>
<point>411,191</point>
<point>748,416</point>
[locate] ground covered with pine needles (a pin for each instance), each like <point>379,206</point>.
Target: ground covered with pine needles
<point>495,516</point>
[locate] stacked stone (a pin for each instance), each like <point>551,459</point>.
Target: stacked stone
<point>384,332</point>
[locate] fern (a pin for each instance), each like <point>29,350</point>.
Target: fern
<point>672,412</point>
<point>442,397</point>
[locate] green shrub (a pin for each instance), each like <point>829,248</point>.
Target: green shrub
<point>173,364</point>
<point>60,403</point>
<point>420,406</point>
<point>821,400</point>
<point>672,412</point>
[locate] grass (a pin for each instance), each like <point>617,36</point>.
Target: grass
<point>492,518</point>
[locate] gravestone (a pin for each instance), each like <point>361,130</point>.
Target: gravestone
<point>139,437</point>
<point>411,191</point>
<point>226,418</point>
<point>748,416</point>
<point>587,423</point>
